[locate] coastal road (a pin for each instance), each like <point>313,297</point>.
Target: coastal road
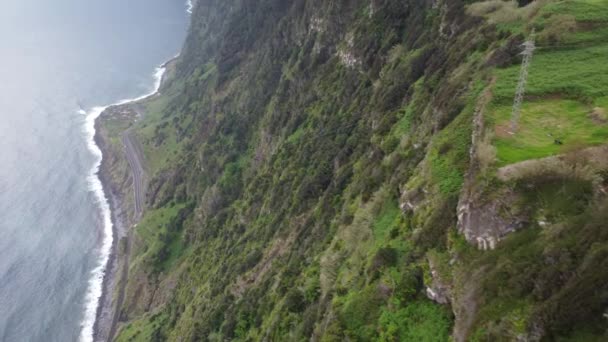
<point>135,158</point>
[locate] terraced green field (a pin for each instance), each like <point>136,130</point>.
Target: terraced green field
<point>566,95</point>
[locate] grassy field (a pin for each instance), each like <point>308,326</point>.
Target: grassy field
<point>582,10</point>
<point>541,124</point>
<point>573,73</point>
<point>567,90</point>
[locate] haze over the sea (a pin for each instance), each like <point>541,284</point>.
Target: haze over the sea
<point>59,57</point>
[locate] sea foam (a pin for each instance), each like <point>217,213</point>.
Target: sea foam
<point>95,288</point>
<point>189,6</point>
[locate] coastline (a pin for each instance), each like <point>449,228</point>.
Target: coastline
<point>102,310</point>
<point>98,275</point>
<point>101,328</point>
<point>105,308</point>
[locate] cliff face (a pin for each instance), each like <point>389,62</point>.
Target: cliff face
<point>327,170</point>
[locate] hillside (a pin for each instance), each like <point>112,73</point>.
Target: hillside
<point>349,170</point>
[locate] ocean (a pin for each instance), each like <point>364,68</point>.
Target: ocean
<point>61,61</point>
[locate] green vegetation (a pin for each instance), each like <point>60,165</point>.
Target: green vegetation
<point>523,276</point>
<point>145,329</point>
<point>418,321</point>
<point>449,153</point>
<point>161,135</point>
<point>161,232</point>
<point>582,10</point>
<point>386,221</point>
<point>306,165</point>
<point>570,73</point>
<point>546,127</point>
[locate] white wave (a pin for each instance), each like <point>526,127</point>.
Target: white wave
<point>158,79</point>
<point>95,288</point>
<point>189,6</point>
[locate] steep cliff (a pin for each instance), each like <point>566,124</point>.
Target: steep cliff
<point>335,170</point>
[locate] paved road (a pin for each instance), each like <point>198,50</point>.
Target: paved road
<point>134,156</point>
<point>135,159</point>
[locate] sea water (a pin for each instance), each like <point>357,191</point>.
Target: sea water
<point>61,61</point>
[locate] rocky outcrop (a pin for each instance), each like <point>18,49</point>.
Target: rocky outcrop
<point>439,290</point>
<point>411,199</point>
<point>485,223</point>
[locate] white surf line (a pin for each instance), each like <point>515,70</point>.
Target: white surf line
<point>95,288</point>
<point>189,6</point>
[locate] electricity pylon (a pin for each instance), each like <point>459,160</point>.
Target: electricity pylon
<point>529,48</point>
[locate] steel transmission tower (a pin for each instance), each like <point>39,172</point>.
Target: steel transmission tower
<point>529,48</point>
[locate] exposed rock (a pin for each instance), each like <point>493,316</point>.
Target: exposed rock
<point>438,290</point>
<point>317,25</point>
<point>348,58</point>
<point>411,199</point>
<point>347,54</point>
<point>437,295</point>
<point>485,224</point>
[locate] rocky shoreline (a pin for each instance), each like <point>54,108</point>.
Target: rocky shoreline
<point>120,222</point>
